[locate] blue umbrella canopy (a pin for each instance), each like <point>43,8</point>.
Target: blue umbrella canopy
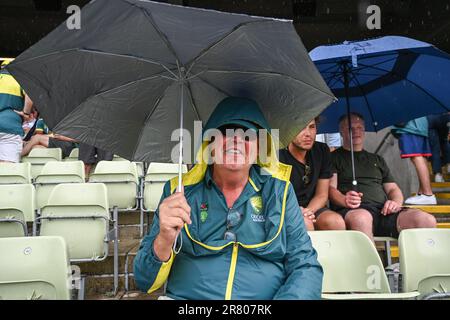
<point>389,80</point>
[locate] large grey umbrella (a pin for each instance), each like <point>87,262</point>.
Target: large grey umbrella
<point>119,82</point>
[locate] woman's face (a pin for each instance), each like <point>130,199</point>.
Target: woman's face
<point>235,148</point>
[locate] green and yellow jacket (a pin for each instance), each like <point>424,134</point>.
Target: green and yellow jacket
<point>272,257</point>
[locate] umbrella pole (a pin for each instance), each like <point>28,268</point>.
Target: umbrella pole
<point>180,163</point>
<point>354,182</point>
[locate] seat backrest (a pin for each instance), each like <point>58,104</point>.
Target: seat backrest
<point>40,156</point>
<point>121,180</point>
<point>85,237</point>
<point>157,175</point>
<point>118,158</point>
<point>45,154</point>
<point>423,253</point>
<point>350,262</point>
<point>11,173</point>
<point>73,154</point>
<point>61,172</point>
<point>17,201</point>
<point>34,268</point>
<point>56,172</point>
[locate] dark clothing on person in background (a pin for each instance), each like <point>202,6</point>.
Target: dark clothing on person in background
<point>371,172</point>
<point>88,153</point>
<point>318,159</point>
<point>438,136</point>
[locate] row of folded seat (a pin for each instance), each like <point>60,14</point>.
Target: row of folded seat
<point>125,190</point>
<point>38,267</point>
<point>38,157</point>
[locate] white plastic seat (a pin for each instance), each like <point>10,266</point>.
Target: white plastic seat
<point>73,156</point>
<point>38,157</point>
<point>79,212</point>
<point>33,268</point>
<point>54,173</point>
<point>12,173</point>
<point>352,267</point>
<point>425,261</point>
<point>17,208</point>
<point>121,180</point>
<point>157,175</point>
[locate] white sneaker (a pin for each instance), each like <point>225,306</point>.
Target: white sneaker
<point>422,199</point>
<point>438,178</point>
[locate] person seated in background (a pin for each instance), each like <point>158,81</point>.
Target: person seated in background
<point>44,138</point>
<point>242,233</point>
<point>440,147</point>
<point>413,144</point>
<point>375,205</point>
<point>91,155</point>
<point>15,108</point>
<point>310,177</point>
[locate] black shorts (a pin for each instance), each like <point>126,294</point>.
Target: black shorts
<point>383,226</point>
<point>87,154</point>
<point>65,146</point>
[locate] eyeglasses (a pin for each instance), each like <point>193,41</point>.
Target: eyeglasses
<point>233,219</point>
<point>306,178</point>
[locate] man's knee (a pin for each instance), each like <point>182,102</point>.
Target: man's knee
<point>415,218</point>
<point>358,218</point>
<point>330,220</point>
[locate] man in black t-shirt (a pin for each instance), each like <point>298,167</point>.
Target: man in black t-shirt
<point>310,177</point>
<point>374,205</point>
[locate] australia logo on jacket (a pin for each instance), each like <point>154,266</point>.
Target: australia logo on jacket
<point>257,205</point>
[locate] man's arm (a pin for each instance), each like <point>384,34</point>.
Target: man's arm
<point>304,273</point>
<point>351,199</point>
<point>395,198</point>
<point>320,196</point>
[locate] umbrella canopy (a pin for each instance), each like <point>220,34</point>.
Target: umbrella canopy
<point>389,80</point>
<point>119,81</point>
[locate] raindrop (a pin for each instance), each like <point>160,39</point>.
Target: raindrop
<point>447,7</point>
<point>410,24</point>
<point>328,10</point>
<point>429,13</point>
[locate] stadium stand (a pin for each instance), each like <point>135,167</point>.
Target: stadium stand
<point>54,173</point>
<point>425,262</point>
<point>73,156</point>
<point>352,267</point>
<point>79,212</point>
<point>34,268</point>
<point>17,209</point>
<point>12,173</point>
<point>38,157</point>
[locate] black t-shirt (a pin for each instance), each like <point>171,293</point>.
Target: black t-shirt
<point>371,173</point>
<point>318,159</point>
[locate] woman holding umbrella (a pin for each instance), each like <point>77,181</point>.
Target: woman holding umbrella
<point>242,231</point>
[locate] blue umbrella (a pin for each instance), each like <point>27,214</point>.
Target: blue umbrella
<point>387,80</point>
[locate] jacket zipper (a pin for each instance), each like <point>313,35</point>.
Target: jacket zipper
<point>230,281</point>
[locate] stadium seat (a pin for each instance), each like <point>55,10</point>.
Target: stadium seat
<point>12,173</point>
<point>121,180</point>
<point>54,173</point>
<point>352,267</point>
<point>157,175</point>
<point>38,157</point>
<point>79,213</point>
<point>73,156</point>
<point>34,268</point>
<point>425,262</point>
<point>17,207</point>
